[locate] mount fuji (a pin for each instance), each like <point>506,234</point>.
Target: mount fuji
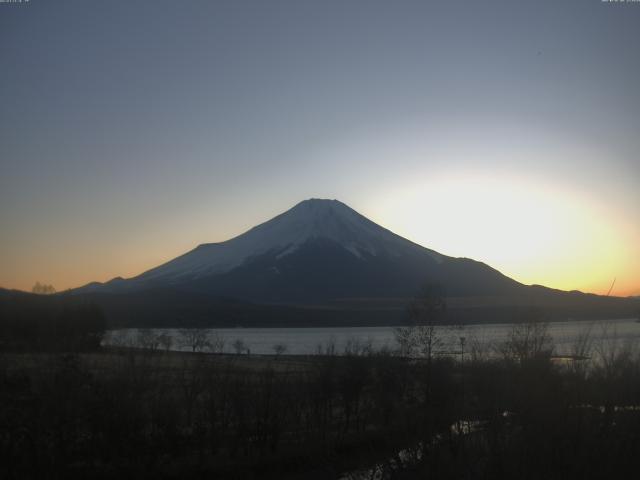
<point>322,263</point>
<point>319,250</point>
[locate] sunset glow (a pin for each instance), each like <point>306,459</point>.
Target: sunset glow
<point>522,154</point>
<point>319,239</point>
<point>531,233</point>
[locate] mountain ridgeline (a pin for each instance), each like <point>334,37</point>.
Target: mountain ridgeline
<point>320,250</point>
<point>320,262</point>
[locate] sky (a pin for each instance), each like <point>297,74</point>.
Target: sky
<point>507,132</point>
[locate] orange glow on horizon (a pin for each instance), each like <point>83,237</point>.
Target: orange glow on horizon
<point>526,230</point>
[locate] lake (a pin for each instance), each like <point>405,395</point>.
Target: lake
<point>304,341</point>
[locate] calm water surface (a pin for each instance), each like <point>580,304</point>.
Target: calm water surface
<point>303,341</point>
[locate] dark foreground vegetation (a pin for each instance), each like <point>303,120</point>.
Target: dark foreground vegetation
<point>137,414</point>
<point>77,411</point>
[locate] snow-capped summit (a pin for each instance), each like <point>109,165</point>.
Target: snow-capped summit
<point>319,263</point>
<point>309,220</point>
<point>319,250</point>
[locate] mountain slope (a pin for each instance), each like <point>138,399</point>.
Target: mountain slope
<point>317,251</point>
<point>310,220</point>
<point>320,264</point>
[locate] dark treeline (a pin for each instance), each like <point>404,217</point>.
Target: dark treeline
<point>49,323</point>
<point>170,308</point>
<point>137,414</point>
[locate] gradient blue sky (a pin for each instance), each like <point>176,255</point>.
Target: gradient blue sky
<point>509,132</point>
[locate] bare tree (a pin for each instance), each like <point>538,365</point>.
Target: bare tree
<point>477,348</point>
<point>165,340</point>
<point>194,338</point>
<point>216,343</point>
<point>583,344</point>
<point>147,339</point>
<point>529,339</point>
<point>581,351</point>
<point>279,349</point>
<point>239,346</point>
<point>612,352</point>
<point>358,347</point>
<point>426,313</point>
<point>406,339</point>
<point>327,348</point>
<point>43,289</point>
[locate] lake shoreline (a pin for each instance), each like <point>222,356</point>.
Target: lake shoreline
<point>312,340</point>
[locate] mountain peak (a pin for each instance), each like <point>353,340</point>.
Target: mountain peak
<point>313,207</point>
<point>318,249</point>
<point>319,201</point>
<point>310,220</point>
<point>321,204</point>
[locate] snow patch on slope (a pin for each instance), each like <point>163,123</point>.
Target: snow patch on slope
<point>308,220</point>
